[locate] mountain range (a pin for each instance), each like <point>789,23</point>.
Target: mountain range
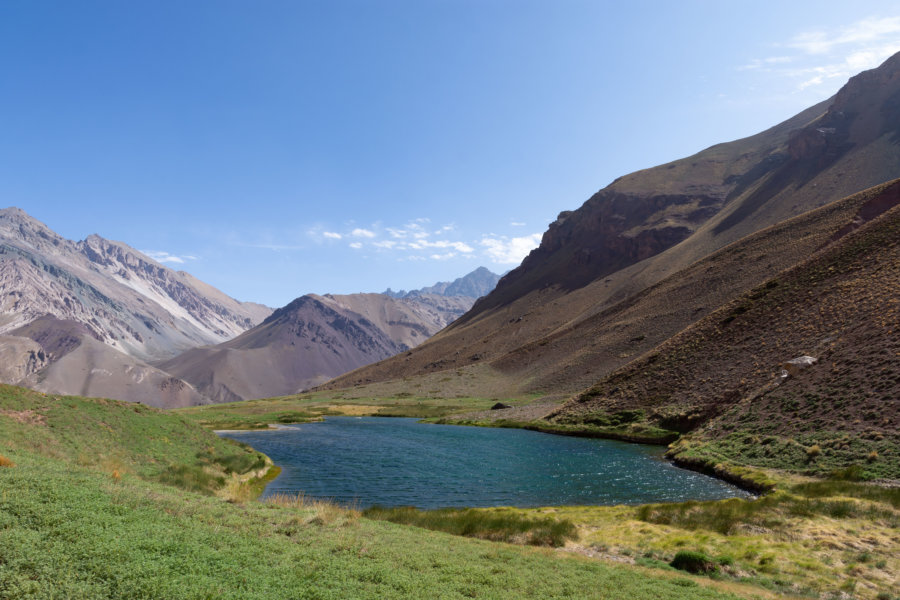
<point>99,318</point>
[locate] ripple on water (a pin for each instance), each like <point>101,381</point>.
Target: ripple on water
<point>397,462</point>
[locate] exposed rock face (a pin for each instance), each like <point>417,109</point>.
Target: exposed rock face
<point>123,298</point>
<point>85,316</point>
<point>311,340</point>
<point>19,358</point>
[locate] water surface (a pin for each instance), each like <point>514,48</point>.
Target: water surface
<point>398,462</point>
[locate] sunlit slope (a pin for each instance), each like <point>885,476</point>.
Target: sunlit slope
<point>653,224</point>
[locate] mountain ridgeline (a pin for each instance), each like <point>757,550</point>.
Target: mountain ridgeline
<point>99,318</point>
<point>621,274</point>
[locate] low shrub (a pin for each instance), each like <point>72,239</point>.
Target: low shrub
<point>191,478</point>
<point>693,562</point>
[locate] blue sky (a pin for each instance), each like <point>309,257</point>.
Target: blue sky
<point>278,148</point>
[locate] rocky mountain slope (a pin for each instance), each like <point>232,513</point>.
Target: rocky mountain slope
<point>86,317</point>
<point>123,298</point>
<point>476,284</point>
<point>739,374</point>
<point>311,340</point>
<point>582,303</point>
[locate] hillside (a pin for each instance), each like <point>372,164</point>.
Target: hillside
<point>573,310</point>
<point>311,340</point>
<point>727,379</point>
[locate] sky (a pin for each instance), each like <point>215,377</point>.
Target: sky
<point>277,148</point>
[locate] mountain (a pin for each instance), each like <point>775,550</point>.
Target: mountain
<point>79,364</point>
<point>474,285</point>
<point>124,298</point>
<point>86,317</point>
<point>311,340</point>
<point>584,302</point>
<point>739,374</point>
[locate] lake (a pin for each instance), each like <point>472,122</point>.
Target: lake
<point>400,462</point>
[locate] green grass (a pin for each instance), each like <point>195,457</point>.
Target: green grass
<point>259,414</point>
<point>818,453</point>
<point>86,512</point>
<point>488,525</point>
<point>72,532</point>
<point>631,432</point>
<point>121,437</point>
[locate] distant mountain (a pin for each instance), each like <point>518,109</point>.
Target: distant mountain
<point>311,340</point>
<point>584,302</point>
<point>474,285</point>
<point>115,308</point>
<point>124,298</point>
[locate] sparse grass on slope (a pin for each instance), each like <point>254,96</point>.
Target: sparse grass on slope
<point>721,378</point>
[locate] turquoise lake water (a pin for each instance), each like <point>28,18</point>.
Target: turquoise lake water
<point>400,462</point>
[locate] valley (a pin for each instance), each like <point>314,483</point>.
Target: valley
<point>735,312</point>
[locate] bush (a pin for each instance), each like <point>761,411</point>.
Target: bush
<point>694,562</point>
<point>191,478</point>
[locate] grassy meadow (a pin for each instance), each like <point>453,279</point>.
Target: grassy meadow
<point>105,499</point>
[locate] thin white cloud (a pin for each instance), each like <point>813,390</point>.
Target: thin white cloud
<point>331,235</point>
<point>356,245</point>
<point>823,56</point>
<point>508,251</point>
<point>445,256</point>
<point>362,233</point>
<point>516,224</point>
<point>397,233</point>
<point>385,244</point>
<point>161,256</point>
<point>424,244</point>
<point>872,30</point>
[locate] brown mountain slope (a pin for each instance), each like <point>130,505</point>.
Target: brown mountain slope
<point>79,364</point>
<point>311,340</point>
<point>652,224</point>
<point>723,376</point>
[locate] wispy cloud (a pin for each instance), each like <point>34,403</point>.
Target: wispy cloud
<point>331,235</point>
<point>161,256</point>
<point>503,250</point>
<point>516,224</point>
<point>362,233</point>
<point>356,245</point>
<point>423,244</point>
<point>814,57</point>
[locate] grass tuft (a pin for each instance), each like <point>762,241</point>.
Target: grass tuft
<point>488,525</point>
<point>5,462</point>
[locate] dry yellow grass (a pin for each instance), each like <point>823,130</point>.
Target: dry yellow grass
<point>318,511</point>
<point>5,462</point>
